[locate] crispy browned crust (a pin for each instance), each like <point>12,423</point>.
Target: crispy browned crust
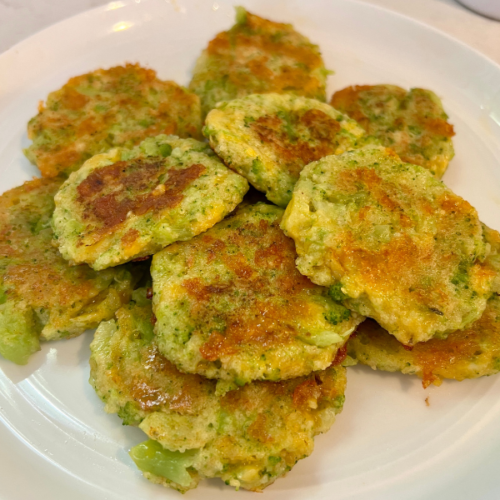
<point>470,353</point>
<point>127,104</point>
<point>258,56</point>
<point>109,193</point>
<point>33,272</point>
<point>412,123</point>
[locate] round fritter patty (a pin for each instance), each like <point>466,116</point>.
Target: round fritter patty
<point>127,204</point>
<point>41,296</point>
<point>411,123</point>
<point>257,56</point>
<point>392,241</point>
<point>230,304</point>
<point>270,138</point>
<point>470,353</point>
<point>248,437</point>
<point>117,107</point>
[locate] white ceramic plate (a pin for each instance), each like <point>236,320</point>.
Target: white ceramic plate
<point>57,442</point>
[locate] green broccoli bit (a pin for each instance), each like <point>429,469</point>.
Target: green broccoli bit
<point>19,332</point>
<point>165,150</point>
<point>151,457</point>
<point>335,292</point>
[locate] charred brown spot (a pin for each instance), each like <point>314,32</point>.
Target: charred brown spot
<point>110,193</point>
<point>347,101</point>
<point>129,238</point>
<point>258,429</point>
<point>156,383</point>
<point>438,126</point>
<point>294,152</point>
<point>72,99</point>
<point>217,247</point>
<point>367,179</point>
<point>340,356</point>
<point>306,394</point>
<point>215,346</point>
<point>321,126</point>
<point>142,259</point>
<point>239,265</point>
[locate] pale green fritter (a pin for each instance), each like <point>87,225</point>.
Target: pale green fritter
<point>411,123</point>
<point>392,242</point>
<point>270,138</point>
<point>248,437</point>
<point>470,353</point>
<point>127,204</point>
<point>116,107</point>
<point>41,296</point>
<point>258,56</point>
<point>230,304</point>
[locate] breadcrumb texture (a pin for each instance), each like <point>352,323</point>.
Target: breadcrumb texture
<point>127,204</point>
<point>270,138</point>
<point>258,56</point>
<point>413,123</point>
<point>230,304</point>
<point>392,241</point>
<point>116,107</point>
<point>41,296</point>
<point>248,436</point>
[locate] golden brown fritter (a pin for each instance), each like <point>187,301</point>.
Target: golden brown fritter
<point>230,304</point>
<point>116,107</point>
<point>411,123</point>
<point>248,437</point>
<point>128,204</point>
<point>270,138</point>
<point>258,56</point>
<point>470,353</point>
<point>40,294</point>
<point>394,243</point>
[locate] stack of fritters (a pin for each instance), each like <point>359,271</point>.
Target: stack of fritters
<point>228,305</point>
<point>270,138</point>
<point>42,297</point>
<point>229,356</point>
<point>248,436</point>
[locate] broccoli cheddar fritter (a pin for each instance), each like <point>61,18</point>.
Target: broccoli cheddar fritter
<point>413,123</point>
<point>248,437</point>
<point>270,138</point>
<point>41,296</point>
<point>128,204</point>
<point>392,242</point>
<point>258,56</point>
<point>470,353</point>
<point>230,304</point>
<point>116,107</point>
